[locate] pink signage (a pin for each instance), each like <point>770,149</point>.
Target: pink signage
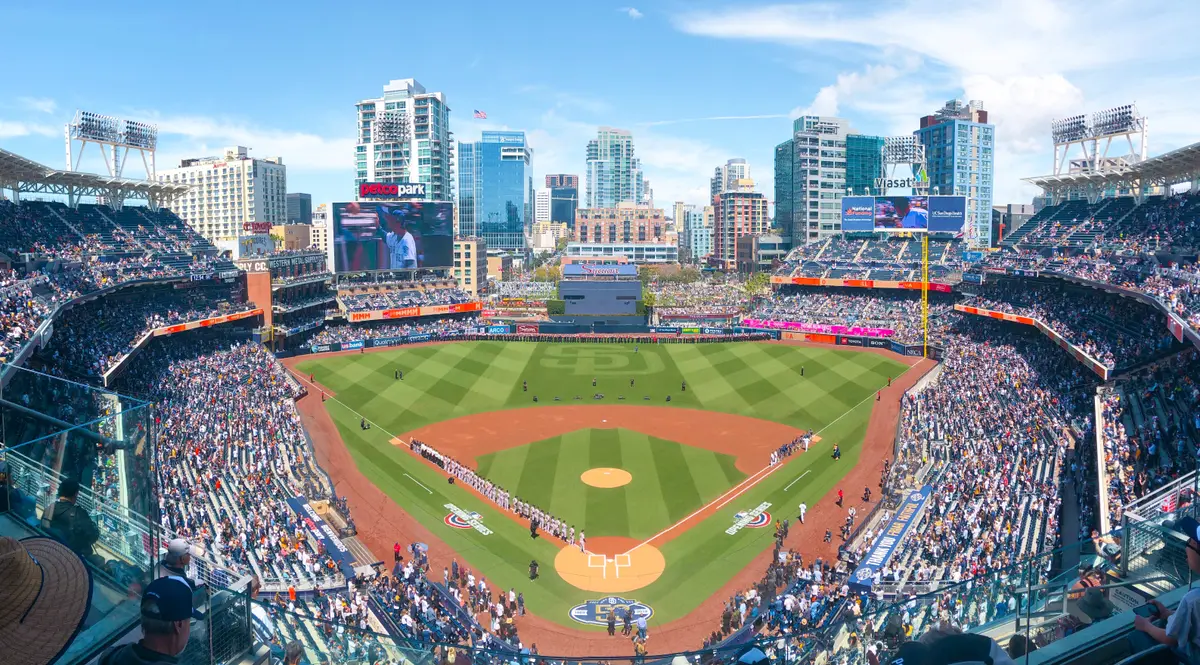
<point>818,328</point>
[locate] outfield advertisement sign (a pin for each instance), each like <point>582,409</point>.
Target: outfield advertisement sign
<point>665,330</point>
<point>382,342</point>
<point>858,214</point>
<point>892,536</point>
<point>499,330</point>
<point>819,328</point>
<point>324,533</point>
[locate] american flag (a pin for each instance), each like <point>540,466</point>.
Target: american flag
<point>480,115</point>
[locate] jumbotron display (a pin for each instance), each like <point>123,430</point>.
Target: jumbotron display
<point>392,235</point>
<point>919,213</point>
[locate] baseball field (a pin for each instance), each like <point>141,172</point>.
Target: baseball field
<point>676,495</point>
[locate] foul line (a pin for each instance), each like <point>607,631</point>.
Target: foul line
<point>741,487</point>
<point>418,482</point>
<point>796,480</point>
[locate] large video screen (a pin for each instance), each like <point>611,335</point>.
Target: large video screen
<point>896,214</point>
<point>392,235</point>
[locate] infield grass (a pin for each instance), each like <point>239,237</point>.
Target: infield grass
<point>834,397</point>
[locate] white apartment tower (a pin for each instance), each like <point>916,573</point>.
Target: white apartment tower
<point>541,205</point>
<point>818,176</point>
<point>726,176</point>
<point>235,199</point>
<point>404,136</point>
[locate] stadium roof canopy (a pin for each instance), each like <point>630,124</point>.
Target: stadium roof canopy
<point>1170,168</point>
<point>25,176</point>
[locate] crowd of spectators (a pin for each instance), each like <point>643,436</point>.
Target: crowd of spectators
<point>1151,422</point>
<point>896,310</point>
<point>435,327</point>
<point>92,337</point>
<point>706,299</point>
<point>230,451</point>
<point>408,298</point>
<point>1107,327</point>
<point>526,290</point>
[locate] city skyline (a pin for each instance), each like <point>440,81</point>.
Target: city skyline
<point>883,86</point>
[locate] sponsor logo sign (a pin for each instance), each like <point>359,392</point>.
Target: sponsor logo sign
<point>357,344</point>
<point>320,348</point>
<point>749,517</point>
<point>819,328</point>
<point>714,331</point>
<point>527,328</point>
<point>596,612</point>
<point>763,519</point>
<point>497,330</point>
<point>406,190</point>
<point>461,519</point>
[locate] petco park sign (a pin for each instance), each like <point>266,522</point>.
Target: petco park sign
<point>406,190</point>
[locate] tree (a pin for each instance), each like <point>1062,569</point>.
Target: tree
<point>648,298</point>
<point>645,274</point>
<point>560,245</point>
<point>757,284</point>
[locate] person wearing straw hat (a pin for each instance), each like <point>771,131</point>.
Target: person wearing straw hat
<point>166,625</point>
<point>46,590</point>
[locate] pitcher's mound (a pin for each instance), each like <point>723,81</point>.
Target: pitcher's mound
<point>604,477</point>
<point>607,573</point>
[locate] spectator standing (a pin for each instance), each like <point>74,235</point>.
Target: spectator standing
<point>70,523</point>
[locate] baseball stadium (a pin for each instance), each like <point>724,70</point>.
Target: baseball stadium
<point>895,444</point>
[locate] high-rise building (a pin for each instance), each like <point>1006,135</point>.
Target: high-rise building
<point>695,238</point>
<point>614,175</point>
<point>959,156</point>
<point>541,205</point>
<point>739,211</point>
<point>404,136</point>
<point>299,208</point>
<point>864,163</point>
<point>564,197</point>
<point>495,189</point>
<point>470,265</point>
<point>783,187</point>
<point>322,228</point>
<point>725,177</point>
<point>235,199</point>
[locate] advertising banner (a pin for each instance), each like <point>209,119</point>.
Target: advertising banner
<point>850,341</point>
<point>205,323</point>
<point>392,235</point>
<point>821,338</point>
<point>858,214</point>
<point>863,283</point>
<point>819,328</point>
<point>892,537</point>
<point>665,330</point>
<point>591,270</point>
<point>689,331</point>
<point>419,337</point>
<point>715,331</point>
<point>325,534</point>
<point>527,328</point>
<point>972,278</point>
<point>498,330</point>
<point>413,312</point>
<point>972,257</point>
<point>387,341</point>
<point>1175,325</point>
<point>352,346</point>
<point>948,214</point>
<point>322,348</point>
<point>1004,316</point>
<point>878,343</point>
<point>897,347</point>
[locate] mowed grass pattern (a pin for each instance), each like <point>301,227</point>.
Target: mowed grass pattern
<point>451,380</point>
<point>670,480</point>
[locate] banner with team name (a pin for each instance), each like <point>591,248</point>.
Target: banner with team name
<point>324,533</point>
<point>892,537</point>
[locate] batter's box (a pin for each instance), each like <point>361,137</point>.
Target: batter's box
<point>598,561</point>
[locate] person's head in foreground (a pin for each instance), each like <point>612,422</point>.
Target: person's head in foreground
<point>46,590</point>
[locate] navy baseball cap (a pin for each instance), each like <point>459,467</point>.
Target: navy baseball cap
<point>911,653</point>
<point>169,599</point>
<point>1189,527</point>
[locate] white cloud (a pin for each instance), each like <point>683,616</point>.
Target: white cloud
<point>11,129</point>
<point>39,104</point>
<point>193,136</point>
<point>632,12</point>
<point>1028,61</point>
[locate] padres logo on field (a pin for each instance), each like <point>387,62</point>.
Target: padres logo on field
<point>755,522</point>
<point>595,612</point>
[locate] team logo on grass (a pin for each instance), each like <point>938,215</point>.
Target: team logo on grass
<point>756,521</point>
<point>753,519</point>
<point>462,519</point>
<point>595,612</point>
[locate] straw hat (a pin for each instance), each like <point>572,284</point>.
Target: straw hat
<point>45,591</point>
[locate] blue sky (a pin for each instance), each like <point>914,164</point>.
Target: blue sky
<point>697,82</point>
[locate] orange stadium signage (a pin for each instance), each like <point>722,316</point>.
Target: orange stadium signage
<point>205,323</point>
<point>411,312</point>
<point>858,283</point>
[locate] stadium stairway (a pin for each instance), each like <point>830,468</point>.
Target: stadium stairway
<point>52,210</point>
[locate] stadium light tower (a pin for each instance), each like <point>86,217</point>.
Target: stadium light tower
<point>114,137</point>
<point>904,151</point>
<point>1086,135</point>
<point>393,129</point>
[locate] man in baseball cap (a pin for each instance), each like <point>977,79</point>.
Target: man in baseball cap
<point>178,558</point>
<point>1182,629</point>
<point>166,625</point>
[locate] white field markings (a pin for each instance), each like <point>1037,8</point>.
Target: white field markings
<point>806,472</point>
<point>756,478</point>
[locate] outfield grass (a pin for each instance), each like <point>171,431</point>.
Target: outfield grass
<point>670,480</point>
<point>447,381</point>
